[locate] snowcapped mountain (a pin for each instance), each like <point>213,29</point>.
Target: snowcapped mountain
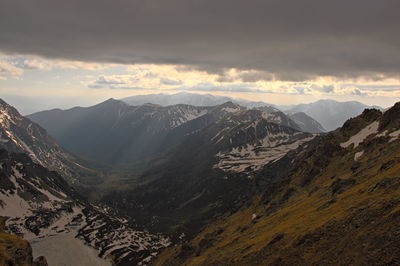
<point>19,134</point>
<point>276,116</point>
<point>45,210</point>
<point>331,114</point>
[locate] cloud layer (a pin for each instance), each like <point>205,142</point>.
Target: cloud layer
<point>274,39</point>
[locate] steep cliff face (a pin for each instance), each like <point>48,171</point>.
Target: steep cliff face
<point>336,203</point>
<point>16,251</point>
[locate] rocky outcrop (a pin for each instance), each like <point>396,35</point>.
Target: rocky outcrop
<point>16,251</point>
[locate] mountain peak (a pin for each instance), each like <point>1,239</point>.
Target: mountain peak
<point>230,104</point>
<point>391,118</point>
<point>111,102</point>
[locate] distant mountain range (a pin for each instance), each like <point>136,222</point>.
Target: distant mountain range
<point>331,114</point>
<point>328,113</point>
<point>116,133</point>
<point>188,98</point>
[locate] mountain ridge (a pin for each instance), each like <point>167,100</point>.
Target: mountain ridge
<point>19,134</point>
<point>344,110</point>
<point>113,123</point>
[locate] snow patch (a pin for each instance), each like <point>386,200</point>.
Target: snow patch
<point>65,249</point>
<point>394,135</point>
<point>362,135</point>
<point>358,155</point>
<point>253,156</point>
<point>14,206</point>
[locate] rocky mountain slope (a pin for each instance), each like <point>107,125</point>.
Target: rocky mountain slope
<point>306,123</point>
<point>19,134</point>
<point>333,201</point>
<point>46,211</point>
<point>113,131</point>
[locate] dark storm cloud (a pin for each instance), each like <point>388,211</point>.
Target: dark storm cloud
<point>294,40</point>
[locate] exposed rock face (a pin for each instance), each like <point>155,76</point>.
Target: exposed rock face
<point>16,251</point>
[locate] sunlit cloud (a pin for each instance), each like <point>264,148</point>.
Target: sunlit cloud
<point>7,70</point>
<point>31,73</point>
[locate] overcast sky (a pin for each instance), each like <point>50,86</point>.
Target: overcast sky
<point>73,52</point>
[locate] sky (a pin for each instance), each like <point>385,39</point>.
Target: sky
<point>56,53</point>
